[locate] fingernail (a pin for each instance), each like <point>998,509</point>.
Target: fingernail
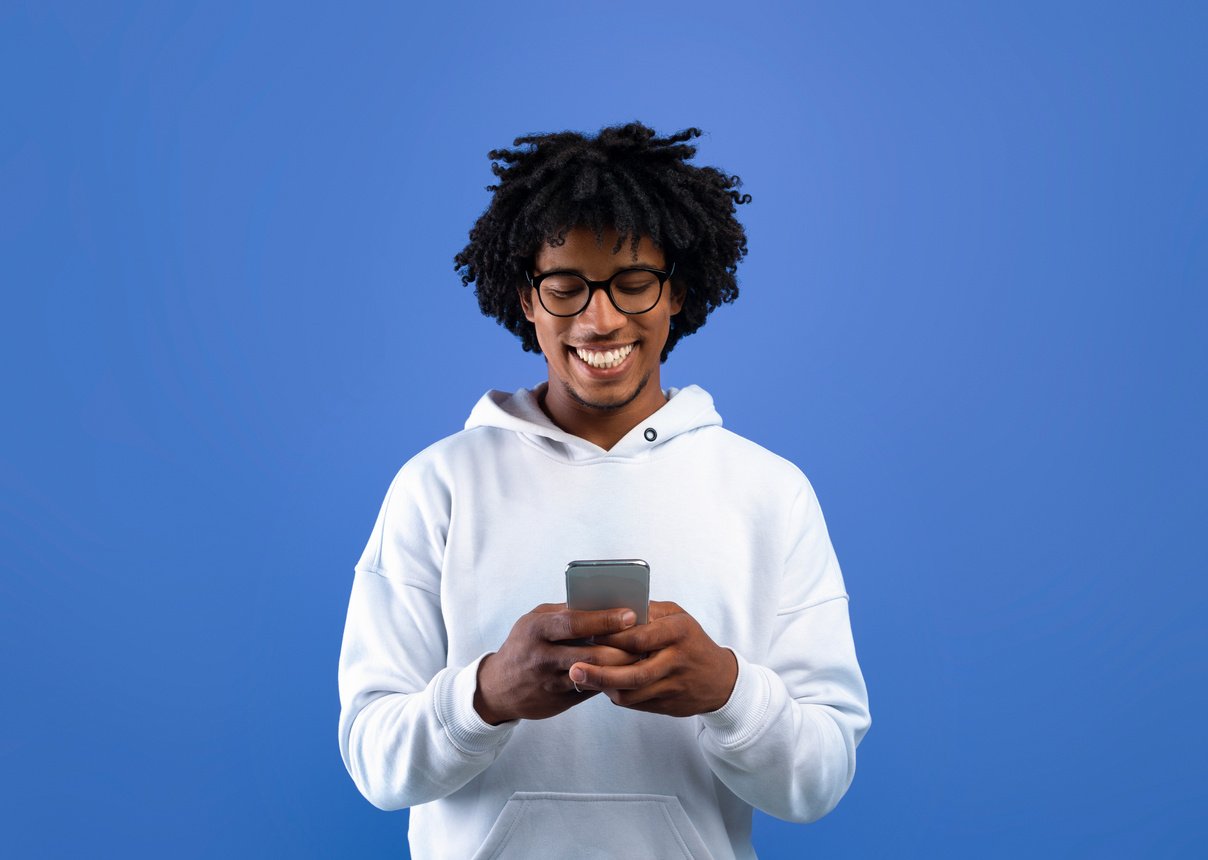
<point>578,675</point>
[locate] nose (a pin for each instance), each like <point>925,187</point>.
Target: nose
<point>601,315</point>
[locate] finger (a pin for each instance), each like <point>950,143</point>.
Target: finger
<point>595,655</point>
<point>581,623</point>
<point>644,638</point>
<point>549,607</point>
<point>663,608</point>
<point>652,698</point>
<point>634,676</point>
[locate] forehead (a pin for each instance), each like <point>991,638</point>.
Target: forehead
<point>581,251</point>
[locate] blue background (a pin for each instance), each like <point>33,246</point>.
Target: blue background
<point>973,312</point>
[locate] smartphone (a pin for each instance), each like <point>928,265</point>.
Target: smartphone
<point>607,583</point>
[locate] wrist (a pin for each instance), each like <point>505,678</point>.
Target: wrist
<point>745,712</point>
<point>729,677</point>
<point>464,727</point>
<point>484,708</point>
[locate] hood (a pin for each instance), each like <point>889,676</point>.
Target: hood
<point>686,409</point>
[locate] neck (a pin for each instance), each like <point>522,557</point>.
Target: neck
<point>602,426</point>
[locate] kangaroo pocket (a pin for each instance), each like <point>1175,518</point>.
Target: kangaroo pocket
<point>547,824</point>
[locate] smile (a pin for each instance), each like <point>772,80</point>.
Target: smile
<point>604,359</point>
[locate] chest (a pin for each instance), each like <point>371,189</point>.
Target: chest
<point>714,549</point>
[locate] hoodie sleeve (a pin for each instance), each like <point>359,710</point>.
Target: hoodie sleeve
<point>786,740</point>
<point>408,729</point>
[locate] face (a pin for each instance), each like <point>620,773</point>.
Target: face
<point>575,347</point>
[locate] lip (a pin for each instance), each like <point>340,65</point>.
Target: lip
<point>602,347</point>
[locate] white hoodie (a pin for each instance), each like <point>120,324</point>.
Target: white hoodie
<point>476,530</point>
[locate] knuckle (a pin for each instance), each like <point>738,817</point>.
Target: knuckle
<point>550,626</point>
<point>569,626</point>
<point>542,610</point>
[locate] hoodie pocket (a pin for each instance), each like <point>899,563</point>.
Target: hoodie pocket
<point>541,824</point>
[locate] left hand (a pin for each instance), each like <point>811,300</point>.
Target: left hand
<point>687,673</point>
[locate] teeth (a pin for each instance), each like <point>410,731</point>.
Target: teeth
<point>604,358</point>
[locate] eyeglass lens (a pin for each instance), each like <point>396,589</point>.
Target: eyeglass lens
<point>634,291</point>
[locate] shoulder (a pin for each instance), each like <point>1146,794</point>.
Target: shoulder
<point>751,462</point>
<point>442,459</point>
<point>419,498</point>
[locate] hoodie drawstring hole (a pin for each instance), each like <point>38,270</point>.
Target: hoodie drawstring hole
<point>651,434</point>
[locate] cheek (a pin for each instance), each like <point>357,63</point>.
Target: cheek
<point>658,333</point>
<point>548,339</point>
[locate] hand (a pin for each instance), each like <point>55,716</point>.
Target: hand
<point>686,673</point>
<point>527,677</point>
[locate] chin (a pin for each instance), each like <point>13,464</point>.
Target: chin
<point>617,401</point>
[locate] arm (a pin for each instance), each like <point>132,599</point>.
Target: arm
<point>786,739</point>
<point>408,730</point>
<point>413,728</point>
<point>782,736</point>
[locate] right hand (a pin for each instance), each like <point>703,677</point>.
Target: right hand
<point>529,676</point>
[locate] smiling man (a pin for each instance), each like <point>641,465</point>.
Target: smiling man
<point>515,726</point>
<point>603,339</point>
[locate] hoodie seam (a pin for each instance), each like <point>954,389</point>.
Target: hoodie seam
<point>395,580</point>
<point>811,604</point>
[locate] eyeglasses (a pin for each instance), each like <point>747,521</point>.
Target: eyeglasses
<point>631,291</point>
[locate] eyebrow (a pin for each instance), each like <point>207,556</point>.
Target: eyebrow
<point>559,269</point>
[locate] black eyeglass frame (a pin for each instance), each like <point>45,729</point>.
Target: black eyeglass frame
<point>606,286</point>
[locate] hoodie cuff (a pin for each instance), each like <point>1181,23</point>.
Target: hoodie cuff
<point>743,713</point>
<point>454,701</point>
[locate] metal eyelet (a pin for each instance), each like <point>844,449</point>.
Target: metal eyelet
<point>651,434</point>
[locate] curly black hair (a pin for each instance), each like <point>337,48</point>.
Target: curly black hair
<point>624,178</point>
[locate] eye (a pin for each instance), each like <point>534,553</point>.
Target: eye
<point>562,286</point>
<point>635,281</point>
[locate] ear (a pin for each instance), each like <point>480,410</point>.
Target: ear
<point>526,301</point>
<point>677,297</point>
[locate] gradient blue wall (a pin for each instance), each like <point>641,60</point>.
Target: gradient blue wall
<point>973,312</point>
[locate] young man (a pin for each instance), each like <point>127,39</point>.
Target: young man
<point>466,690</point>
